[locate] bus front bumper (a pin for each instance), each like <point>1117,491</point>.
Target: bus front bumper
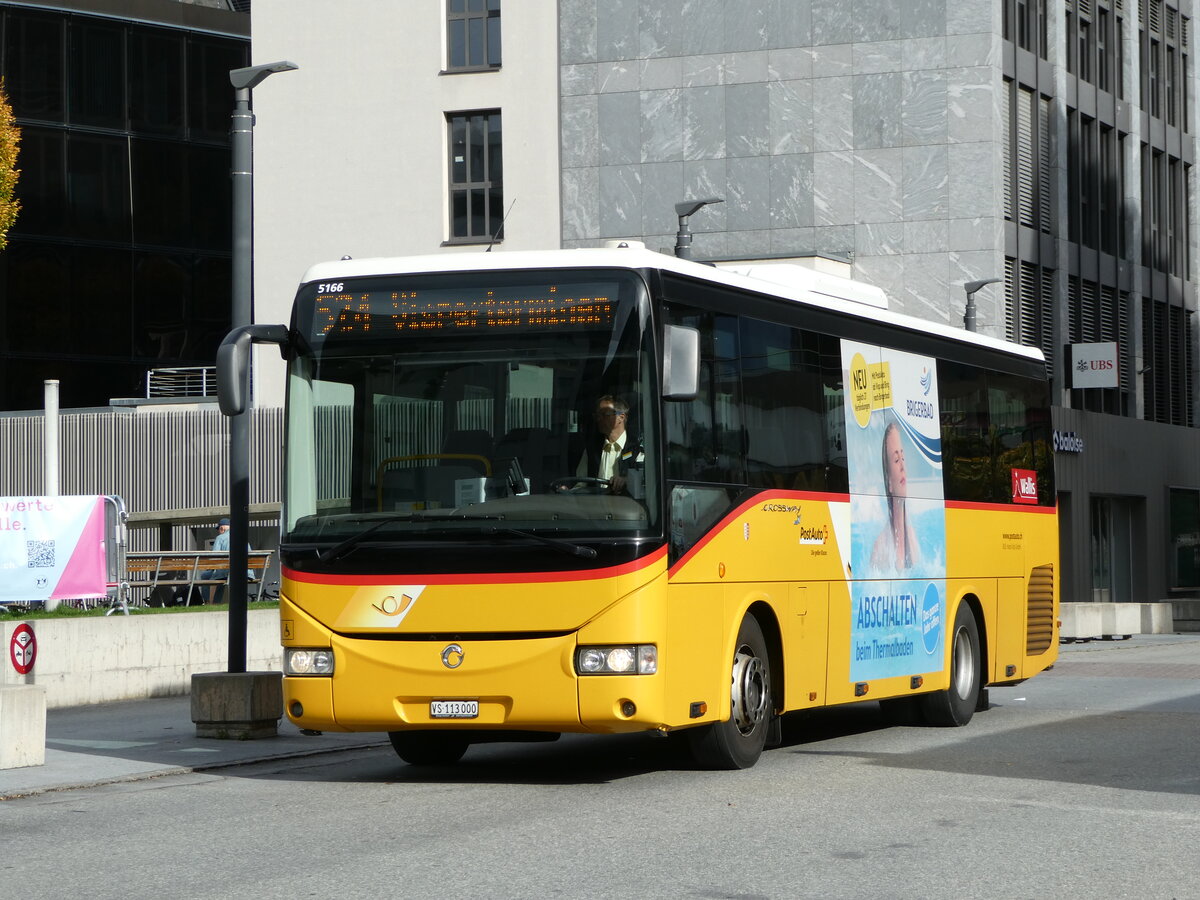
<point>518,684</point>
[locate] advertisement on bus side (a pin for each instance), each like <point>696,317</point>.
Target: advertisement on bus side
<point>897,512</point>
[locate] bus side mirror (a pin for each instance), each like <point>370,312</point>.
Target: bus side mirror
<point>233,362</point>
<point>681,362</point>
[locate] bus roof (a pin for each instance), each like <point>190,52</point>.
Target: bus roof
<point>798,284</point>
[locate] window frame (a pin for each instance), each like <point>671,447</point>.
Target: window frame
<point>491,183</point>
<point>489,18</point>
<point>1176,535</point>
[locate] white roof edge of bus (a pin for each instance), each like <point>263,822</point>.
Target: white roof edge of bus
<point>796,276</point>
<point>818,291</point>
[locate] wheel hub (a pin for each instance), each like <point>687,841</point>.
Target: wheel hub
<point>749,694</point>
<point>964,664</point>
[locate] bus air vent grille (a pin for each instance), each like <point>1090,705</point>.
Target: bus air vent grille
<point>1039,619</point>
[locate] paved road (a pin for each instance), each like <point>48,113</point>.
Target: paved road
<point>1082,782</point>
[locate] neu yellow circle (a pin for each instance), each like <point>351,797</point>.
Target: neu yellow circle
<point>860,390</point>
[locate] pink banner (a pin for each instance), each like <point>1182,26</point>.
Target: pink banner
<point>85,574</point>
<point>51,548</point>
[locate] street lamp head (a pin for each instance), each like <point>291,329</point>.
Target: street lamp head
<point>251,76</point>
<point>972,286</point>
<point>687,207</point>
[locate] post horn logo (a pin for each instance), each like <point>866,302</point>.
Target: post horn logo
<point>452,656</point>
<point>390,606</point>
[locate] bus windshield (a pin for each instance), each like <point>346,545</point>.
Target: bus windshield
<point>428,407</point>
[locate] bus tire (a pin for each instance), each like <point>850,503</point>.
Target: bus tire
<point>429,748</point>
<point>956,705</point>
<point>738,742</point>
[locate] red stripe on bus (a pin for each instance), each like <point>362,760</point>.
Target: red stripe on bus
<point>1002,507</point>
<point>764,497</point>
<point>480,577</point>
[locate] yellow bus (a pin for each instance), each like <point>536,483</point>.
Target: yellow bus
<point>605,491</point>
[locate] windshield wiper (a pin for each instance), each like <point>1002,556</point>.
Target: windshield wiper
<point>564,546</point>
<point>343,546</point>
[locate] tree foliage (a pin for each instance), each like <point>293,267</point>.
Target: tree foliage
<point>10,141</point>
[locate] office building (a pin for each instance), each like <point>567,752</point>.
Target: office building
<point>119,262</point>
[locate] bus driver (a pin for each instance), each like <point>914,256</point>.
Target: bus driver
<point>612,450</point>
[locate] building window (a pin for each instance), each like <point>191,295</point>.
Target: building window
<point>1168,363</point>
<point>476,176</point>
<point>1087,50</point>
<point>1029,305</point>
<point>1103,56</point>
<point>473,34</point>
<point>1024,25</point>
<point>1185,538</point>
<point>1026,170</point>
<point>1094,30</point>
<point>1184,74</point>
<point>1099,313</point>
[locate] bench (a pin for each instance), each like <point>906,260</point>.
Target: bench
<point>162,573</point>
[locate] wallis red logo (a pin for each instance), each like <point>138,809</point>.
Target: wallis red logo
<point>1024,485</point>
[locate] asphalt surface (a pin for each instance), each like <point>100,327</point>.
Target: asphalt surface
<point>139,739</point>
<point>132,740</point>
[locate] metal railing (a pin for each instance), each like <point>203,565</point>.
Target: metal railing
<point>196,381</point>
<point>159,461</point>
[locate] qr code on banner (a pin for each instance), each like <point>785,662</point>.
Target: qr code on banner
<point>41,554</point>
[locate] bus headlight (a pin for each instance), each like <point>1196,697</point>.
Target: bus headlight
<point>307,661</point>
<point>624,659</point>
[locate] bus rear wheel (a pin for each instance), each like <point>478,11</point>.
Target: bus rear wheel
<point>429,748</point>
<point>956,705</point>
<point>738,742</point>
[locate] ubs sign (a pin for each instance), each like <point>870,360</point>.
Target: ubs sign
<point>1094,365</point>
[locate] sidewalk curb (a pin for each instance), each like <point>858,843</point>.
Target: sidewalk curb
<point>149,775</point>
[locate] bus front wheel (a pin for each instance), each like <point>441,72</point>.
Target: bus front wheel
<point>429,748</point>
<point>956,705</point>
<point>737,742</point>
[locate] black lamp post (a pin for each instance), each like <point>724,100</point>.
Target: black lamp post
<point>242,146</point>
<point>683,237</point>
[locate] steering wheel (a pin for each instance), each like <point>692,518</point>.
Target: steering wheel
<point>595,485</point>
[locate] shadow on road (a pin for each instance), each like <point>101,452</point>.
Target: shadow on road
<point>1146,749</point>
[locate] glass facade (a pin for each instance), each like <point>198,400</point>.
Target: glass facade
<point>120,259</point>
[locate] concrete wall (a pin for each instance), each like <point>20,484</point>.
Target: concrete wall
<point>95,660</point>
<point>1089,620</point>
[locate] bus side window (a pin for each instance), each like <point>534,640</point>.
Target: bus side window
<point>784,407</point>
<point>1019,413</point>
<point>706,440</point>
<point>967,463</point>
<point>993,423</point>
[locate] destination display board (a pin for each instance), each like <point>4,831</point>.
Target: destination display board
<point>338,310</point>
